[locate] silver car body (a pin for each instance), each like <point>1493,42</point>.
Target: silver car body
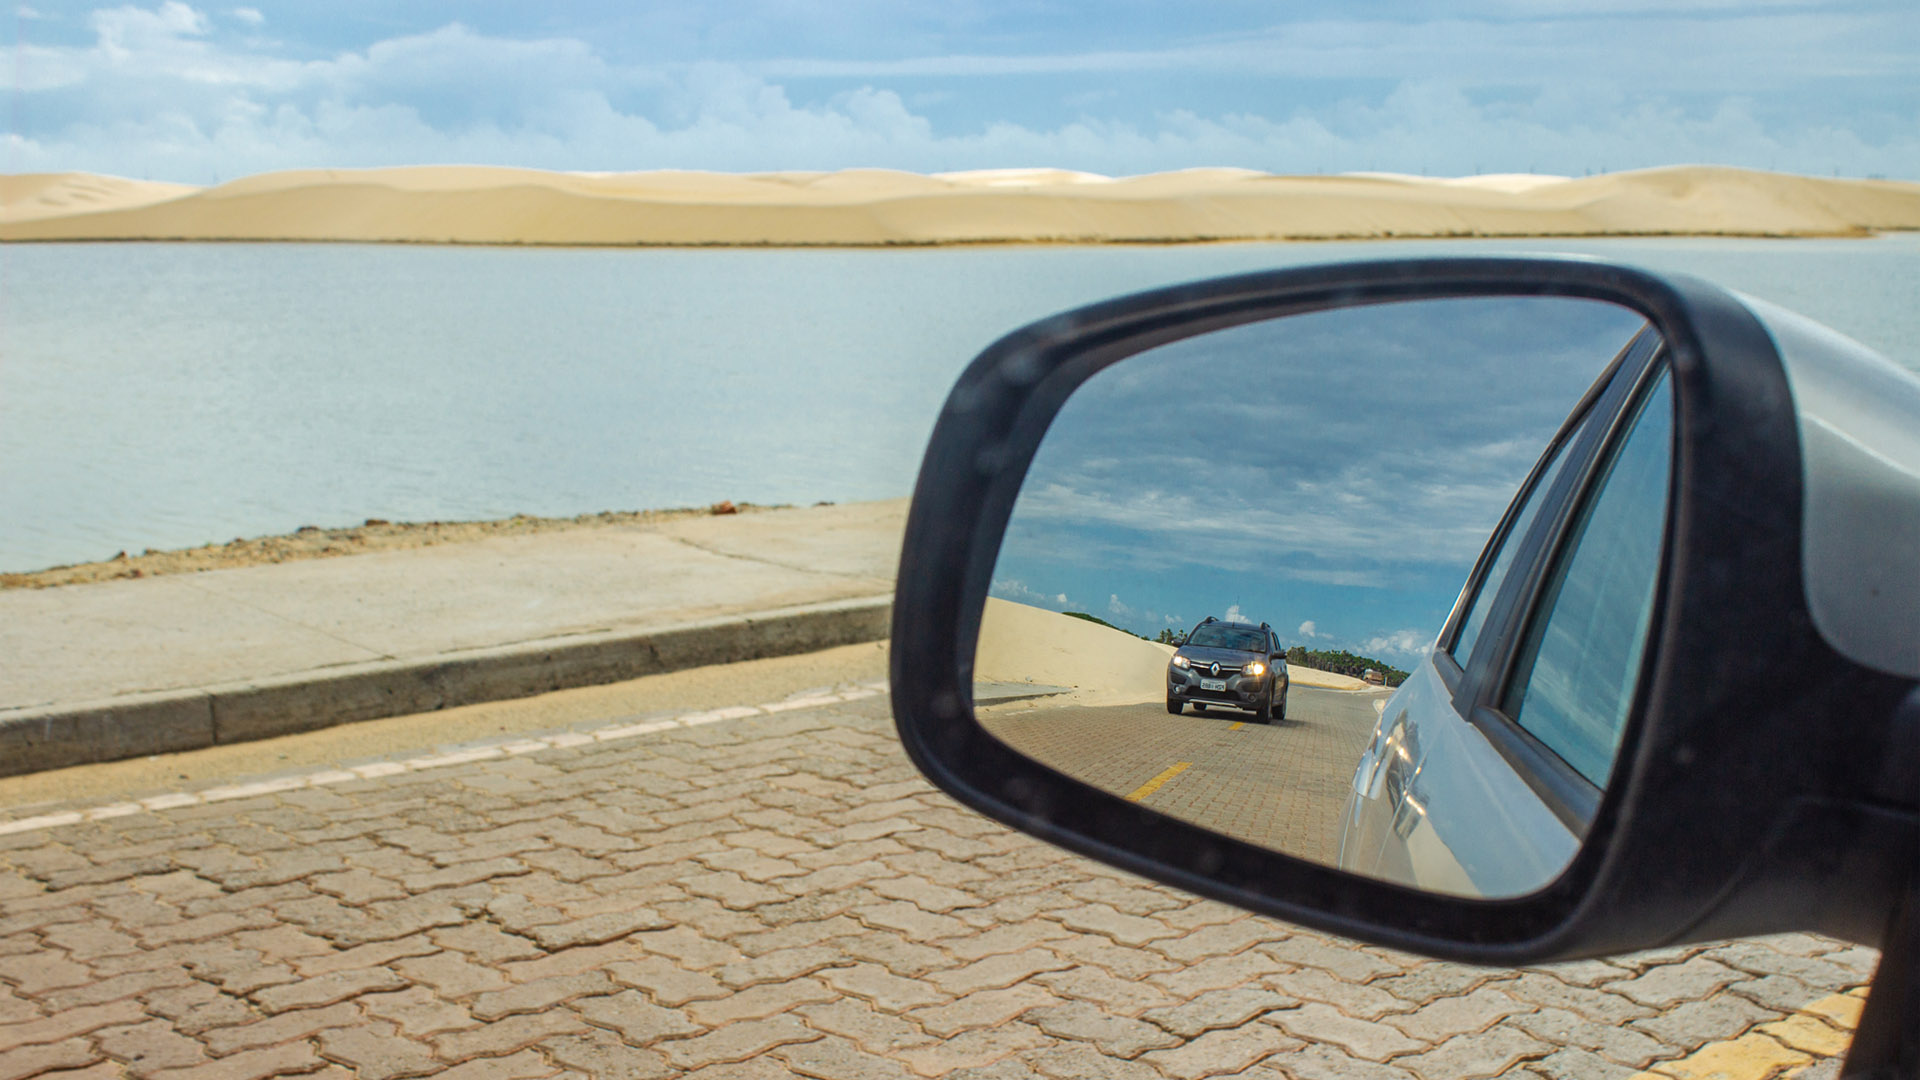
<point>1435,805</point>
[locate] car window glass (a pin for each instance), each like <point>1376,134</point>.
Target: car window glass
<point>1219,637</point>
<point>1581,661</point>
<point>1510,544</point>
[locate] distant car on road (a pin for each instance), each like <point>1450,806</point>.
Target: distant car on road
<point>1232,665</point>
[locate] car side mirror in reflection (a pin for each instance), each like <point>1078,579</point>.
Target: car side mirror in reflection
<point>1605,588</point>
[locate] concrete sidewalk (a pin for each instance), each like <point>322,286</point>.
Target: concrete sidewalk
<point>127,668</point>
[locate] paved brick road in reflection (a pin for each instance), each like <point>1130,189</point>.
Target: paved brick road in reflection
<point>762,897</point>
<point>1281,785</point>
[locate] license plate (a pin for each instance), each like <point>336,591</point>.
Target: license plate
<point>1213,684</point>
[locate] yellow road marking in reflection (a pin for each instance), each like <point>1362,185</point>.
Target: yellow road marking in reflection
<point>1153,785</point>
<point>1238,726</point>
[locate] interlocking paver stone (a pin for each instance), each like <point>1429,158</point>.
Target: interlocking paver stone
<point>506,1036</point>
<point>282,1060</point>
<point>972,1049</point>
<point>1118,925</point>
<point>1445,1017</point>
<point>601,1054</point>
<point>1320,1061</point>
<point>541,994</point>
<point>1321,1023</point>
<point>285,1027</point>
<point>1538,988</point>
<point>67,1024</point>
<point>25,1061</point>
<point>835,1058</point>
<point>1218,939</point>
<point>1078,1061</point>
<point>761,1001</point>
<point>1573,1064</point>
<point>1218,1009</point>
<point>1693,1023</point>
<point>377,1051</point>
<point>327,989</point>
<point>753,899</point>
<point>882,987</point>
<point>1004,969</point>
<point>418,1012</point>
<point>1221,1052</point>
<point>1116,1036</point>
<point>1664,984</point>
<point>737,1042</point>
<point>878,1033</point>
<point>1217,973</point>
<point>1469,1057</point>
<point>984,1009</point>
<point>1622,1045</point>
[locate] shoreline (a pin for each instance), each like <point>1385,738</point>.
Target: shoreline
<point>1858,233</point>
<point>375,534</point>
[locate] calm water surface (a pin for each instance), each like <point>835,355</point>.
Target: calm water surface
<point>167,395</point>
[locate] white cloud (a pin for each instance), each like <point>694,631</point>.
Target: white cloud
<point>159,92</point>
<point>1308,630</point>
<point>1020,592</point>
<point>1015,590</point>
<point>1233,615</point>
<point>1116,608</point>
<point>250,16</point>
<point>1400,643</point>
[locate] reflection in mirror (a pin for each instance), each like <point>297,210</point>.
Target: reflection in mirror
<point>1231,552</point>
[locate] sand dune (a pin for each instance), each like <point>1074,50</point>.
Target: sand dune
<point>487,205</point>
<point>471,204</point>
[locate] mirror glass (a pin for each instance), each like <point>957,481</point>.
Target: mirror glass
<point>1231,556</point>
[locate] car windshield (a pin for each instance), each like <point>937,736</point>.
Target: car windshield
<point>1215,636</point>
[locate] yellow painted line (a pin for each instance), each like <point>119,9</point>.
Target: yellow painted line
<point>1238,726</point>
<point>1821,1027</point>
<point>1804,1033</point>
<point>1842,1010</point>
<point>1153,785</point>
<point>1752,1056</point>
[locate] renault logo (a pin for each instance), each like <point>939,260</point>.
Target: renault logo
<point>1215,670</point>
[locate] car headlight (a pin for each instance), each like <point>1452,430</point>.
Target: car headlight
<point>1180,662</point>
<point>1256,669</point>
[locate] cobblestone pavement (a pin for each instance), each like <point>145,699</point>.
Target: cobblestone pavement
<point>1282,785</point>
<point>778,894</point>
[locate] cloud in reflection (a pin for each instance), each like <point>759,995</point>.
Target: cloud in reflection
<point>1337,472</point>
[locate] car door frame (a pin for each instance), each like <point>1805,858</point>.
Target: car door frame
<point>1475,688</point>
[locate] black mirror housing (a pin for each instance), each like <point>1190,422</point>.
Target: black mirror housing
<point>1749,796</point>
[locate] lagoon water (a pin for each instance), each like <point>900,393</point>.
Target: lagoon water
<point>169,395</point>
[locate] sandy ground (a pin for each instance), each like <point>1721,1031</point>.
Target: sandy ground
<point>1103,666</point>
<point>313,542</point>
<point>861,207</point>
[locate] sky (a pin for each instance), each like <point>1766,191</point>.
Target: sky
<point>1334,474</point>
<point>203,93</point>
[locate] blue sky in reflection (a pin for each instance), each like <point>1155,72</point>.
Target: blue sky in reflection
<point>1333,474</point>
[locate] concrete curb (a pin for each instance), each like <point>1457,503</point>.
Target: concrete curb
<point>137,725</point>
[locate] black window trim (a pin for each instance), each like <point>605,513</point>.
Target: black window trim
<point>1571,797</point>
<point>1451,670</point>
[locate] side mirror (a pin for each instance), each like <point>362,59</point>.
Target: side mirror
<point>1675,700</point>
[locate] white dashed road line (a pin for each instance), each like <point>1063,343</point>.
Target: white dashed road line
<point>811,699</point>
